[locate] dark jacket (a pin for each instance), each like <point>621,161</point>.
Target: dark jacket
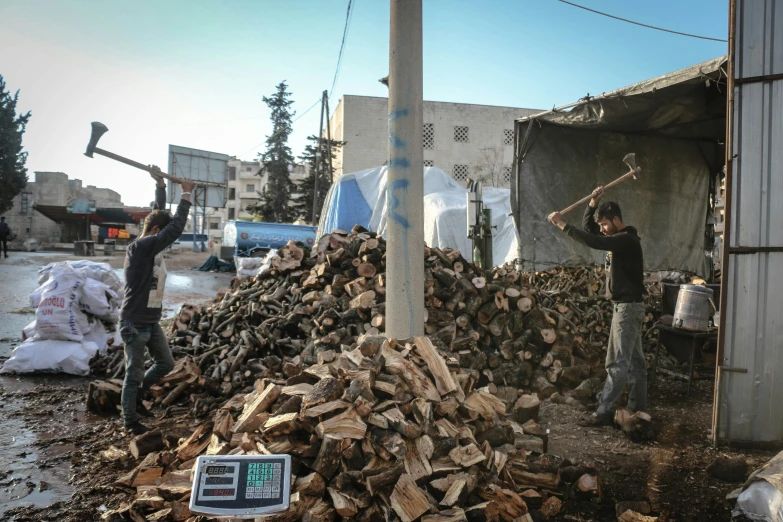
<point>145,270</point>
<point>5,231</point>
<point>626,273</point>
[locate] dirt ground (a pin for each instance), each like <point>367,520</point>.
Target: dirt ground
<point>50,467</point>
<point>670,473</point>
<point>45,432</point>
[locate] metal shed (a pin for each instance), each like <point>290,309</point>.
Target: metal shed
<point>749,386</point>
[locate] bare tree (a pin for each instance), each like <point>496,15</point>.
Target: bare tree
<point>489,170</point>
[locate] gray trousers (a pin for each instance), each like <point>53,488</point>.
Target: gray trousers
<point>625,359</point>
<point>136,337</point>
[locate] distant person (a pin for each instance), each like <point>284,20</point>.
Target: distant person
<point>604,230</point>
<point>145,279</point>
<point>5,234</point>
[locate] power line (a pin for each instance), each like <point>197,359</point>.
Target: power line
<point>641,24</point>
<point>281,130</point>
<point>348,14</point>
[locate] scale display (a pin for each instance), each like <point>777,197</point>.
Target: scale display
<point>241,486</point>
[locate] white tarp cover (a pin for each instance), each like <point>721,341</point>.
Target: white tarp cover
<point>360,198</point>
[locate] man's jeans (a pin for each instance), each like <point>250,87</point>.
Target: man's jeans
<point>136,337</point>
<point>625,359</point>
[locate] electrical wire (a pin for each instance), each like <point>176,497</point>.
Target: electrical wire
<point>281,130</point>
<point>641,24</point>
<point>348,14</point>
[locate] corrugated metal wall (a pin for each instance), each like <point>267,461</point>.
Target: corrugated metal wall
<point>751,404</point>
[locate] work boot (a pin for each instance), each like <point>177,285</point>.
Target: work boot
<point>596,420</point>
<point>136,428</point>
<point>142,410</point>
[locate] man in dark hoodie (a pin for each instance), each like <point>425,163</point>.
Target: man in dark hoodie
<point>145,279</point>
<point>604,230</point>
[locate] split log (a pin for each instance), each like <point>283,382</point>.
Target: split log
<point>146,443</point>
<point>407,500</point>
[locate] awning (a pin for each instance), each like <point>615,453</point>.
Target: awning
<point>679,104</point>
<point>59,214</point>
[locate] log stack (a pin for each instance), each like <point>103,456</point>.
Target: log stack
<point>390,430</point>
<point>543,332</point>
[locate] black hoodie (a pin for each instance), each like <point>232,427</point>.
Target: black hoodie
<point>626,274</point>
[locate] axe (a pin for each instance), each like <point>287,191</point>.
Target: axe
<point>630,160</point>
<point>99,129</point>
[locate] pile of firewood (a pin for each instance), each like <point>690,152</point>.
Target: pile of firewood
<point>388,430</point>
<point>544,331</point>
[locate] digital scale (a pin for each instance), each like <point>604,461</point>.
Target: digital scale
<point>241,486</point>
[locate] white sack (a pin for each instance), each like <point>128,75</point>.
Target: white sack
<point>51,356</point>
<point>28,331</point>
<point>102,337</point>
<point>761,502</point>
<point>58,315</point>
<point>97,299</point>
<point>102,272</point>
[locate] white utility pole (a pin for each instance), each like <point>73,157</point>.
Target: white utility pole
<point>405,182</point>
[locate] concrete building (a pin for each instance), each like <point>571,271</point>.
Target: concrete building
<point>56,190</point>
<point>463,140</point>
<point>244,186</point>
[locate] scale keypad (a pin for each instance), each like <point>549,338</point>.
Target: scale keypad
<point>264,480</point>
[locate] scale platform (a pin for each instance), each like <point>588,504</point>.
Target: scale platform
<point>241,486</point>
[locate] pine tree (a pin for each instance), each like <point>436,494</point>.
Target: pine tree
<point>13,173</point>
<point>274,204</point>
<point>304,204</point>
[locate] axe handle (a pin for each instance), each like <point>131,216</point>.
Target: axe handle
<point>588,198</point>
<point>141,166</point>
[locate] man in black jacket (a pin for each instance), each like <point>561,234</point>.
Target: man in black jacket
<point>604,230</point>
<point>5,233</point>
<point>145,279</point>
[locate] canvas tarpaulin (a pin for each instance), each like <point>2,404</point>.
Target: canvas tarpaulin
<point>673,123</point>
<point>359,198</point>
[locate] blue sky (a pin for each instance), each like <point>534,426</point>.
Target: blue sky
<point>193,72</point>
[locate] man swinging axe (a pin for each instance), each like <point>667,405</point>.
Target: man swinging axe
<point>604,230</point>
<point>145,279</point>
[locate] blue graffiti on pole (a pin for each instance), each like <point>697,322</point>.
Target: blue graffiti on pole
<point>394,141</point>
<point>394,202</point>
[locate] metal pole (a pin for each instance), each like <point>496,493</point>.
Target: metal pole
<point>194,197</point>
<point>405,181</point>
<point>318,162</point>
<point>725,256</point>
<point>329,140</point>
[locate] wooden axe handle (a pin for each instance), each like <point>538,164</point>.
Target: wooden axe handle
<point>631,173</point>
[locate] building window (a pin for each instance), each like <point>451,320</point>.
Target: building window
<point>232,194</point>
<point>429,163</point>
<point>25,202</point>
<point>249,169</point>
<point>461,134</point>
<point>214,226</point>
<point>250,187</point>
<point>508,137</point>
<point>232,173</point>
<point>460,172</point>
<point>507,174</point>
<point>429,136</point>
<point>231,213</point>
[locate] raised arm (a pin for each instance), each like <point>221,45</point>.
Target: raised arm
<point>160,193</point>
<point>597,241</point>
<point>588,220</point>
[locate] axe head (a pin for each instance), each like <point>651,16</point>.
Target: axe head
<point>98,130</point>
<point>630,160</point>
